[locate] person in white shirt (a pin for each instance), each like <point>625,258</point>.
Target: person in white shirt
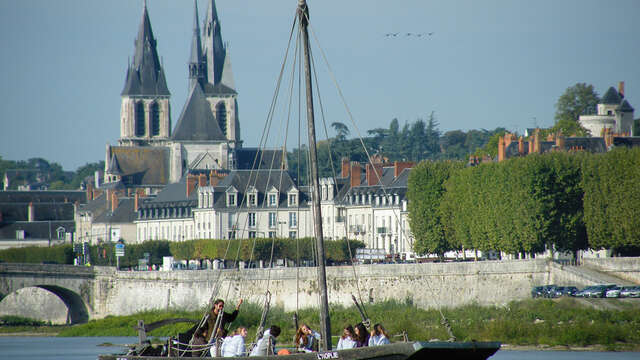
<point>234,345</point>
<point>347,339</point>
<point>267,343</point>
<point>306,339</point>
<point>379,336</point>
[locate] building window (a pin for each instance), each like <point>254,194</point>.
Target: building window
<point>293,199</point>
<point>138,118</point>
<point>231,199</point>
<point>272,234</point>
<point>272,220</point>
<point>293,234</point>
<point>293,219</point>
<point>221,115</point>
<point>232,234</point>
<point>155,119</point>
<point>272,200</point>
<point>252,199</point>
<point>231,222</point>
<point>252,234</point>
<point>252,219</point>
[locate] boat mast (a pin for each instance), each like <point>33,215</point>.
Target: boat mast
<point>325,323</point>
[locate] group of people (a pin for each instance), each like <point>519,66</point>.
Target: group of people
<point>306,340</point>
<point>358,336</point>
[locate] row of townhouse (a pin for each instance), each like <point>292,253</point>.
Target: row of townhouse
<point>368,205</point>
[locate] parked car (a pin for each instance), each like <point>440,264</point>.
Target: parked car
<point>597,291</point>
<point>613,292</point>
<point>565,291</point>
<point>630,291</point>
<point>536,291</point>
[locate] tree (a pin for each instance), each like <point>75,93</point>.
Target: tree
<point>425,191</point>
<point>341,129</point>
<point>577,100</point>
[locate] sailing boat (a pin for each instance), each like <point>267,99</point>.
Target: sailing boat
<point>396,351</point>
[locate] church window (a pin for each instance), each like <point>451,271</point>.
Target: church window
<point>221,115</point>
<point>155,119</point>
<point>139,118</point>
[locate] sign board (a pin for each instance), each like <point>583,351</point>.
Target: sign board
<point>119,249</point>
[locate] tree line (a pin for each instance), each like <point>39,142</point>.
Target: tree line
<point>41,170</point>
<point>562,201</point>
<point>414,141</point>
<point>339,251</point>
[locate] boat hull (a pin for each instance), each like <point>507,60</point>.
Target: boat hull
<point>397,351</point>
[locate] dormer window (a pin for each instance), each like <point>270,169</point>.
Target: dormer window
<point>253,200</point>
<point>231,199</point>
<point>272,200</point>
<point>293,199</point>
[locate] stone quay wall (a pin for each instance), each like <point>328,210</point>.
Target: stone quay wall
<point>428,285</point>
<point>627,268</point>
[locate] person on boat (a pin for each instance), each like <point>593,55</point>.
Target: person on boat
<point>347,339</point>
<point>227,318</point>
<point>267,343</point>
<point>362,335</point>
<point>379,336</point>
<point>306,339</point>
<point>234,345</point>
<point>216,343</point>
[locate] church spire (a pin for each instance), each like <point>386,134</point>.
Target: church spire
<point>196,65</point>
<point>215,51</point>
<point>146,75</point>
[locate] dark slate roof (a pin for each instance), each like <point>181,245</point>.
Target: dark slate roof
<point>145,77</point>
<point>263,181</point>
<point>611,97</point>
<point>402,180</point>
<point>18,211</point>
<point>142,165</point>
<point>196,122</point>
<point>591,144</point>
<point>114,166</point>
<point>214,50</point>
<point>626,141</point>
<point>267,159</point>
<point>625,106</point>
<point>35,230</point>
<point>96,206</point>
<point>172,193</point>
<point>123,214</point>
<point>218,89</point>
<point>53,196</point>
<point>512,150</point>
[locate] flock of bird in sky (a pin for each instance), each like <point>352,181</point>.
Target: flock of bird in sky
<point>392,35</point>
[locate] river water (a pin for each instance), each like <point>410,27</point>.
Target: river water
<point>87,348</point>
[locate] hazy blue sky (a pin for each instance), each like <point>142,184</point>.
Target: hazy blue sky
<point>489,63</point>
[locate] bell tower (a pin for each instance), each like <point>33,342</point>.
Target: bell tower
<point>145,113</point>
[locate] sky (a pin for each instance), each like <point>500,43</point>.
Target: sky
<point>487,64</point>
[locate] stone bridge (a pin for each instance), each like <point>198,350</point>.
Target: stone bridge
<point>95,292</point>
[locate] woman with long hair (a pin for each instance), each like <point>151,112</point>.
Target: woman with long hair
<point>347,339</point>
<point>362,335</point>
<point>234,345</point>
<point>379,336</point>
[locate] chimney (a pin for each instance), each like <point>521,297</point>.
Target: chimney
<point>520,146</point>
<point>212,178</point>
<point>202,180</point>
<point>31,213</point>
<point>507,140</point>
<point>89,191</point>
<point>345,167</point>
<point>114,201</point>
<point>136,200</point>
<point>355,173</point>
<point>501,152</point>
<point>621,88</point>
<point>399,166</point>
<point>191,184</point>
<point>536,141</point>
<point>560,142</point>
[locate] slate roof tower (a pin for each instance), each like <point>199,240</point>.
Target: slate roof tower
<point>219,88</point>
<point>145,112</point>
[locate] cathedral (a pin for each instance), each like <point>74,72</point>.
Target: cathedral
<point>150,154</point>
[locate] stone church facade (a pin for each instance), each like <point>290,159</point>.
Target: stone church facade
<point>150,153</point>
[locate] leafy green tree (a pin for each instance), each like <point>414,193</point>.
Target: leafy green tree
<point>425,191</point>
<point>575,101</point>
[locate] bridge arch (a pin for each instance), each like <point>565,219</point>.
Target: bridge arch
<point>29,302</point>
